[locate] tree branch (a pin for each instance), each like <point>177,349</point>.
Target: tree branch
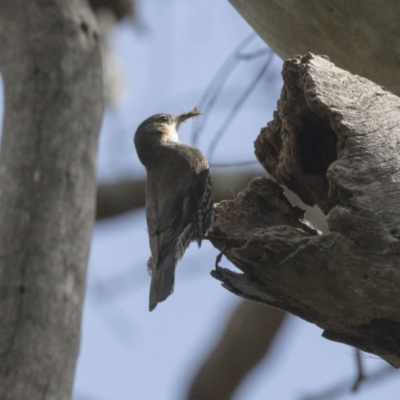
<point>51,67</point>
<point>247,338</point>
<point>335,142</point>
<point>340,389</point>
<point>356,36</point>
<point>117,198</point>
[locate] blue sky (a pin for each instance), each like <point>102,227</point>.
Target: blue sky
<point>128,353</point>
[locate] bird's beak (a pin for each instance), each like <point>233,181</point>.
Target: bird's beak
<point>186,115</point>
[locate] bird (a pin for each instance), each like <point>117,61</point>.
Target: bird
<point>179,197</point>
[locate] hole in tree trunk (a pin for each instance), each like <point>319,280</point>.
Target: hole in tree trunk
<point>316,144</point>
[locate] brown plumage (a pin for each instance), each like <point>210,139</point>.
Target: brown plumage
<point>179,197</point>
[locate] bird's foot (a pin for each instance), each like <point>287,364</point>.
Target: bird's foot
<point>221,253</point>
<point>219,258</point>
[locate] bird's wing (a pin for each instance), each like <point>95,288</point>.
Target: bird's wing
<point>177,211</point>
<point>173,199</point>
<point>168,215</point>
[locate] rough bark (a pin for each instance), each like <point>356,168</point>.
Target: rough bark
<point>51,67</point>
<point>335,141</point>
<point>357,35</point>
<point>247,338</point>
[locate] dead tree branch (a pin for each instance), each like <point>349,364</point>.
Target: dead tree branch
<point>335,141</point>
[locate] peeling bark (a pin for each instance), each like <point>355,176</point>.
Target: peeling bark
<point>335,141</point>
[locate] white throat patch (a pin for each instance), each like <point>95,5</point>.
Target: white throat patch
<point>172,135</point>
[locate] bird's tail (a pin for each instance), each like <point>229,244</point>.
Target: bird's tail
<point>162,280</point>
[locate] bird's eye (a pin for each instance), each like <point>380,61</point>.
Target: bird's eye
<point>163,118</point>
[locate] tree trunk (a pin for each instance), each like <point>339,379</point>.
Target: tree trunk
<point>356,35</point>
<point>335,141</point>
<point>51,68</point>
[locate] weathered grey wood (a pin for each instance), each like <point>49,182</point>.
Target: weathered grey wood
<point>361,36</point>
<point>335,141</point>
<point>51,68</point>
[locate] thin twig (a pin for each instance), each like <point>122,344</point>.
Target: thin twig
<point>213,90</point>
<point>252,55</point>
<point>228,120</point>
<point>344,387</point>
<point>361,376</point>
<point>236,164</point>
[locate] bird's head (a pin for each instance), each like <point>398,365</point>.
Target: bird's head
<point>157,130</point>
